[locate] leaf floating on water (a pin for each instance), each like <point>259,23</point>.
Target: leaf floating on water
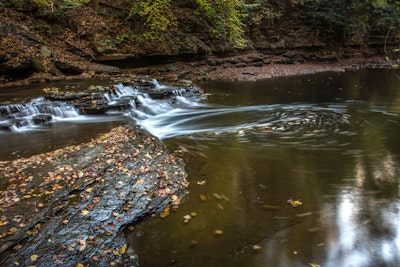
<point>294,203</point>
<point>313,264</point>
<point>165,213</point>
<point>256,247</point>
<point>218,232</point>
<point>203,197</point>
<point>201,182</point>
<point>187,218</point>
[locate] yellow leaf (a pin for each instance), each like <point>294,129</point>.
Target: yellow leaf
<point>85,212</point>
<point>296,203</point>
<point>82,247</point>
<point>122,249</point>
<point>313,264</point>
<point>34,257</point>
<point>89,190</point>
<point>203,197</point>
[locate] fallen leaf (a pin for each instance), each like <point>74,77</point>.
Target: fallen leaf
<point>83,245</point>
<point>122,249</point>
<point>17,247</point>
<point>89,190</point>
<point>294,203</point>
<point>218,232</point>
<point>34,257</point>
<point>85,212</point>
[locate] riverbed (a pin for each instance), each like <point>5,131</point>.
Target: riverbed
<point>288,171</point>
<point>284,172</point>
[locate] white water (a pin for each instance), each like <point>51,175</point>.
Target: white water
<point>180,113</point>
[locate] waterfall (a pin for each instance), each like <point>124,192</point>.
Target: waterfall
<point>144,101</point>
<point>17,117</point>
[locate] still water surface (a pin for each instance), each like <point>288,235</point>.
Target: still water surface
<point>329,141</point>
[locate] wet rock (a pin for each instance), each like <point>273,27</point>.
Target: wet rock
<point>45,65</point>
<point>70,68</point>
<point>42,118</point>
<point>254,73</point>
<point>74,204</point>
<point>45,51</point>
<point>100,68</point>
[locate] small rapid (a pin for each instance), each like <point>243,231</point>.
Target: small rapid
<point>170,111</point>
<point>136,101</point>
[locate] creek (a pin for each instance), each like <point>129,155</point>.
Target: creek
<point>284,172</point>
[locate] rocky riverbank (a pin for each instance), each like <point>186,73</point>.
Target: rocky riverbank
<point>245,67</point>
<point>70,207</point>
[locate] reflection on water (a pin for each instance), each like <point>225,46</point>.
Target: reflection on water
<point>327,140</point>
<point>364,228</point>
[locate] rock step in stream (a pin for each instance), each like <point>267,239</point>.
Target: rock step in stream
<point>70,207</point>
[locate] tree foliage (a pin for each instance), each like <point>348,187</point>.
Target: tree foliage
<point>158,17</point>
<point>226,18</point>
<point>342,17</point>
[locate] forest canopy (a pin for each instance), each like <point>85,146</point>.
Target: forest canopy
<point>230,20</point>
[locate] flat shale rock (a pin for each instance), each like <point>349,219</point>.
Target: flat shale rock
<point>71,206</point>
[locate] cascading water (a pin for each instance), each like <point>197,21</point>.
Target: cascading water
<point>17,117</point>
<point>168,111</point>
<point>139,102</point>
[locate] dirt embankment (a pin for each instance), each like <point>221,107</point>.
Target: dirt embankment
<point>42,44</point>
